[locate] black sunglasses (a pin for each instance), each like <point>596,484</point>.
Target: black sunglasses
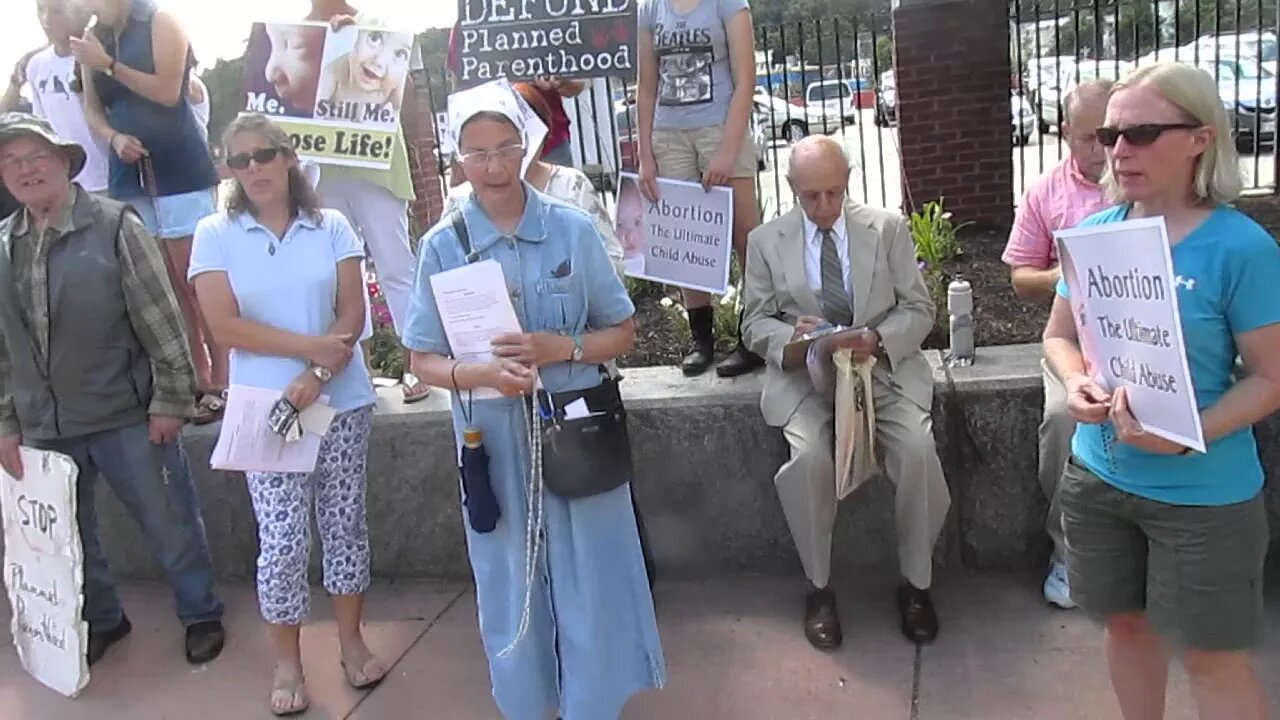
<point>262,156</point>
<point>1140,135</point>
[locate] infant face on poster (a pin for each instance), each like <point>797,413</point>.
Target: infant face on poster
<point>630,224</point>
<point>372,74</point>
<point>293,68</point>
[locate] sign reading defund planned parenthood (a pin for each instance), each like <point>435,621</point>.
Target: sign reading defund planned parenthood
<point>684,239</point>
<point>44,570</point>
<point>1124,297</point>
<point>525,39</point>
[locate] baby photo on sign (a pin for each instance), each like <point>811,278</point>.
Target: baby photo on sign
<point>363,76</point>
<point>283,64</point>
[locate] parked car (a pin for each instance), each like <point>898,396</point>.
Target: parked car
<point>780,120</point>
<point>1037,72</point>
<point>1262,46</point>
<point>1248,93</point>
<point>1048,102</point>
<point>1022,118</point>
<point>836,98</point>
<point>887,99</point>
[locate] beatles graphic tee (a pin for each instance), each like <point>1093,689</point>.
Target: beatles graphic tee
<point>695,82</point>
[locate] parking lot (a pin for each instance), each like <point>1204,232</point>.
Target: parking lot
<point>877,178</point>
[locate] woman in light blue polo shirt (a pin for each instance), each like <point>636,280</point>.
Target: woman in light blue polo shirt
<point>1164,544</point>
<point>565,611</point>
<point>280,284</point>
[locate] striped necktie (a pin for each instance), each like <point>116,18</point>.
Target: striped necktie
<point>836,306</point>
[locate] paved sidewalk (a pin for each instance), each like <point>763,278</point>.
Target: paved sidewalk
<point>734,648</point>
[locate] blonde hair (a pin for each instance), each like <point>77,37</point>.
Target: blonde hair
<point>1193,91</point>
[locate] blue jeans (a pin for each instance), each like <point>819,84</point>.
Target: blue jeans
<point>154,483</point>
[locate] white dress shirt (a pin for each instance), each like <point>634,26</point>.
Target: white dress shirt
<point>813,254</point>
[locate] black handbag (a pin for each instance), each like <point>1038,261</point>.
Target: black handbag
<point>581,456</point>
<point>590,455</point>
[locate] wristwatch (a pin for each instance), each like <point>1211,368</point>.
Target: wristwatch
<point>576,356</point>
<point>323,374</point>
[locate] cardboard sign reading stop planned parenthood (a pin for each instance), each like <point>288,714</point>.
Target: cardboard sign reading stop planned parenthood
<point>44,570</point>
<point>1124,297</point>
<point>526,39</point>
<point>684,239</point>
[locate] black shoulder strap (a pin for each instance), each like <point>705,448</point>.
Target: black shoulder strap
<point>460,230</point>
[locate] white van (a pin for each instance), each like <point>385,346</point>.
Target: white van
<point>834,98</point>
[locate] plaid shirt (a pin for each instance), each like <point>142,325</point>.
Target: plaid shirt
<point>148,295</point>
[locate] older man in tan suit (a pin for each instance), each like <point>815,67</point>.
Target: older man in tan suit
<point>850,265</point>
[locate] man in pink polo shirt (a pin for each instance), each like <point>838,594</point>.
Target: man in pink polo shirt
<point>1060,199</point>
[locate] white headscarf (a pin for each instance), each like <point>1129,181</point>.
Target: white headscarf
<point>499,97</point>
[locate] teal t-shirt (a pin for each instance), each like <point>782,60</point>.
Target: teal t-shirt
<point>1228,281</point>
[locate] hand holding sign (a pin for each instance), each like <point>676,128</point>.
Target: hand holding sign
<point>1086,400</point>
<point>1129,431</point>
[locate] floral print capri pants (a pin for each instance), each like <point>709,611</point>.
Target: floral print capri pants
<point>282,504</point>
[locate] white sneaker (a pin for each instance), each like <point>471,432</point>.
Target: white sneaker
<point>1057,588</point>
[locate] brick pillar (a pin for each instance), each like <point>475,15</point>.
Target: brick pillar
<point>420,139</point>
<point>952,63</point>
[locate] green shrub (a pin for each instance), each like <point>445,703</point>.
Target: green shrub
<point>936,249</point>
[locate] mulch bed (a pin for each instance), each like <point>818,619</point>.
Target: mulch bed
<point>1000,317</point>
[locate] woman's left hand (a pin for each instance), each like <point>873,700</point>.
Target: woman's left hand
<point>1130,432</point>
<point>337,22</point>
<point>89,52</point>
<point>718,171</point>
<point>532,349</point>
<point>303,391</point>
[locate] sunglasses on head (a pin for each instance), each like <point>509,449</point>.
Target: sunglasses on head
<point>1140,135</point>
<point>262,156</point>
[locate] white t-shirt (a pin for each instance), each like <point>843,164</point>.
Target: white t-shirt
<point>201,109</point>
<point>53,99</point>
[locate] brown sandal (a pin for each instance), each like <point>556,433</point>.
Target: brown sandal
<point>288,694</point>
<point>367,675</point>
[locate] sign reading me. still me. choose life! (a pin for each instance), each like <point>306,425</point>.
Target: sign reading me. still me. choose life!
<point>525,39</point>
<point>1124,297</point>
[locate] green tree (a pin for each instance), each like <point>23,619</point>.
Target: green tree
<point>225,81</point>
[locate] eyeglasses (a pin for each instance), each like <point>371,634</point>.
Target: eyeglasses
<point>262,156</point>
<point>35,159</point>
<point>1140,135</point>
<point>481,158</point>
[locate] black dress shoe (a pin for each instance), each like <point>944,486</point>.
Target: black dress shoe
<point>919,621</point>
<point>740,362</point>
<point>698,359</point>
<point>821,620</point>
<point>100,641</point>
<point>205,641</point>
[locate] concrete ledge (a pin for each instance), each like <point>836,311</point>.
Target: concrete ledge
<point>705,462</point>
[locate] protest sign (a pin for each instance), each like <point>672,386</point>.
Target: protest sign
<point>338,94</point>
<point>524,39</point>
<point>1124,298</point>
<point>44,570</point>
<point>684,239</point>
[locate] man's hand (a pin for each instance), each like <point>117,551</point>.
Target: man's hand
<point>11,455</point>
<point>509,377</point>
<point>1086,400</point>
<point>337,22</point>
<point>304,390</point>
<point>548,84</point>
<point>1130,432</point>
<point>861,345</point>
<point>805,324</point>
<point>164,429</point>
<point>533,349</point>
<point>89,52</point>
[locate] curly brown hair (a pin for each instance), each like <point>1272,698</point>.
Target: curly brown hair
<point>302,196</point>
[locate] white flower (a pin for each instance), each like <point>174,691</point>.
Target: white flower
<point>666,302</point>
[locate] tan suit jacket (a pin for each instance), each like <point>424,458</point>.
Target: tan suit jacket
<point>889,296</point>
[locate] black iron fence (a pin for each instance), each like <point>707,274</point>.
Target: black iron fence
<point>830,75</point>
<point>1058,44</point>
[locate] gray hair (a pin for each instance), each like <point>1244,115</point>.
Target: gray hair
<point>1088,90</point>
<point>816,146</point>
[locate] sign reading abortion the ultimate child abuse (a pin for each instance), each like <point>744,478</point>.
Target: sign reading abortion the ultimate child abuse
<point>525,39</point>
<point>684,239</point>
<point>337,93</point>
<point>1124,297</point>
<point>44,570</point>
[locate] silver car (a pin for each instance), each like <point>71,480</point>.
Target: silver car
<point>780,120</point>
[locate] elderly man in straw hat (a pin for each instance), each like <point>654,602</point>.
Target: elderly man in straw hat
<point>94,364</point>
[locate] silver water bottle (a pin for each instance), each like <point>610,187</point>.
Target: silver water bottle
<point>960,309</point>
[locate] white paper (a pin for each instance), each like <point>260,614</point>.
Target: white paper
<point>44,570</point>
<point>576,409</point>
<point>1124,298</point>
<point>475,308</point>
<point>246,443</point>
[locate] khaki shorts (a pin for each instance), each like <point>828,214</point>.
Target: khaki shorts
<point>1195,571</point>
<point>686,154</point>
